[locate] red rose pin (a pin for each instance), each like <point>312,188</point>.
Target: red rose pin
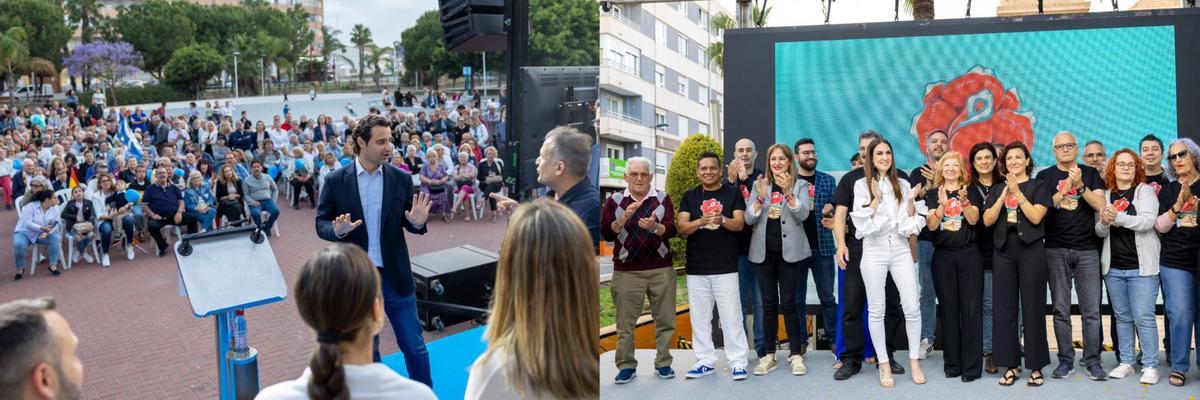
<point>1011,202</point>
<point>812,191</point>
<point>1156,187</point>
<point>953,208</point>
<point>1063,185</point>
<point>1189,205</point>
<point>776,198</point>
<point>1121,204</point>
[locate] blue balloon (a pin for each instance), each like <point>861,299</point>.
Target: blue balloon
<point>319,164</point>
<point>179,172</point>
<point>131,195</point>
<point>274,172</point>
<point>346,161</point>
<point>17,165</point>
<point>299,164</point>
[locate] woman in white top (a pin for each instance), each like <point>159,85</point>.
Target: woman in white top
<point>339,296</point>
<point>885,217</point>
<point>545,278</point>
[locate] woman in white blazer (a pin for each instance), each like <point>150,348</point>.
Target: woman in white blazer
<point>885,217</point>
<point>777,209</point>
<point>1129,260</point>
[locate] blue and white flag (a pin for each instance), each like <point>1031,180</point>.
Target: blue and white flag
<point>125,135</point>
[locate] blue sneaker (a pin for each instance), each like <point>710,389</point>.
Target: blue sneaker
<point>700,370</point>
<point>665,372</point>
<point>740,374</point>
<point>626,375</point>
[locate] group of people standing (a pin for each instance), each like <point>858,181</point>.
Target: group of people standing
<point>981,233</point>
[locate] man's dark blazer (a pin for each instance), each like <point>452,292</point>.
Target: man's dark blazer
<point>339,195</point>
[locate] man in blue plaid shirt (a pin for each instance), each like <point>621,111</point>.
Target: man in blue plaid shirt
<point>820,239</point>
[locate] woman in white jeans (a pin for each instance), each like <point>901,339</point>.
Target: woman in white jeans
<point>885,218</point>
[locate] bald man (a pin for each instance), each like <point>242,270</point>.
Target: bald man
<point>1072,254</point>
<point>742,174</point>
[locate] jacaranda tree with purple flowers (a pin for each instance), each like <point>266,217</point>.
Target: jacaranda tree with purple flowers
<point>108,62</point>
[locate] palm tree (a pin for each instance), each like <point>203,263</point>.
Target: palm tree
<point>81,12</point>
<point>331,46</point>
<point>14,51</point>
<point>377,59</point>
<point>921,10</point>
<point>361,37</point>
<point>759,15</point>
<point>716,51</point>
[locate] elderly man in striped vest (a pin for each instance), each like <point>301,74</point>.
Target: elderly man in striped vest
<point>639,221</point>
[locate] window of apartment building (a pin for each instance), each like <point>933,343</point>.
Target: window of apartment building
<point>683,45</point>
<point>660,32</point>
<point>683,89</point>
<point>660,117</point>
<point>632,63</point>
<point>660,76</point>
<point>614,105</point>
<point>616,57</point>
<point>703,94</point>
<point>662,162</point>
<point>616,152</point>
<point>702,128</point>
<point>683,126</point>
<point>703,20</point>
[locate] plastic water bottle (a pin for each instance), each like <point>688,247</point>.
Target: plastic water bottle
<point>239,333</point>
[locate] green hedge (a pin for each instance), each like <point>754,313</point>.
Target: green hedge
<point>153,94</point>
<point>681,176</point>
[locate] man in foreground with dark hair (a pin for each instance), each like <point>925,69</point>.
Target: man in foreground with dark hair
<point>364,193</point>
<point>37,352</point>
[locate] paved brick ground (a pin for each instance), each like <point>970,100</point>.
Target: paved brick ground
<point>139,340</point>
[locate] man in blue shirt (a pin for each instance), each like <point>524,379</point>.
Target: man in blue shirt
<point>163,204</point>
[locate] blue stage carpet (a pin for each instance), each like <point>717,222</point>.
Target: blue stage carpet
<point>451,358</point>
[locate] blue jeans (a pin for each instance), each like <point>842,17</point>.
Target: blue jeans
<point>402,313</point>
<point>269,206</point>
<point>751,299</point>
<point>822,271</point>
<point>928,295</point>
<point>21,243</point>
<point>1132,298</point>
<point>1182,300</point>
<point>106,230</point>
<point>205,219</point>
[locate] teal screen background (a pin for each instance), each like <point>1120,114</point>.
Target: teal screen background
<point>1114,85</point>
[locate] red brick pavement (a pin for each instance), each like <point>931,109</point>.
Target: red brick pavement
<point>139,340</point>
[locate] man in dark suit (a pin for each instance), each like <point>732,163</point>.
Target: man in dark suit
<point>367,203</point>
<point>161,130</point>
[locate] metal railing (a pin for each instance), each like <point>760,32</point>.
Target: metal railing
<point>632,70</point>
<point>622,116</point>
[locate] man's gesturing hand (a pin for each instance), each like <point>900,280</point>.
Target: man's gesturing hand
<point>342,225</point>
<point>420,209</point>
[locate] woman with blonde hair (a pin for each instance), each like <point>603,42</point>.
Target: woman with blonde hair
<point>338,294</point>
<point>957,266</point>
<point>546,276</point>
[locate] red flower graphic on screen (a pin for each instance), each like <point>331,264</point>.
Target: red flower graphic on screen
<point>971,108</point>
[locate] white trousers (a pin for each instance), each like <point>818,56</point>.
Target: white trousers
<point>722,290</point>
<point>895,257</point>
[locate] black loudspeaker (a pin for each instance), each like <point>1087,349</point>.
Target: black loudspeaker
<point>553,96</point>
<point>453,285</point>
<point>473,25</point>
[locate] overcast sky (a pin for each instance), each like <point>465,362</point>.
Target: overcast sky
<point>386,18</point>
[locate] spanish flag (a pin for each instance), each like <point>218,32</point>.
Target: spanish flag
<point>73,182</point>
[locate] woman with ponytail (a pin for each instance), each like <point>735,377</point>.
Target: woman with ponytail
<point>339,296</point>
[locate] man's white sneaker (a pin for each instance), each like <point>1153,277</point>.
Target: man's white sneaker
<point>926,348</point>
<point>766,364</point>
<point>129,253</point>
<point>1121,371</point>
<point>104,261</point>
<point>798,367</point>
<point>1150,376</point>
<point>88,257</point>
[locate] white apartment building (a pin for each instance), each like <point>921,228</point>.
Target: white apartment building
<point>656,84</point>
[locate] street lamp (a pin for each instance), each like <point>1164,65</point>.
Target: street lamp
<point>235,74</point>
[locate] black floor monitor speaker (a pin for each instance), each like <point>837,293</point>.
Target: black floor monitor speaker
<point>453,285</point>
<point>473,25</point>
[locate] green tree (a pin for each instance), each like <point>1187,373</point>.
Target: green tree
<point>14,50</point>
<point>360,36</point>
<point>44,23</point>
<point>192,66</point>
<point>378,60</point>
<point>423,48</point>
<point>565,32</point>
<point>332,45</point>
<point>156,29</point>
<point>81,13</point>
<point>921,10</point>
<point>681,176</point>
<point>716,52</point>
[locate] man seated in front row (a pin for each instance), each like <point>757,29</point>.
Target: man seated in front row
<point>163,203</point>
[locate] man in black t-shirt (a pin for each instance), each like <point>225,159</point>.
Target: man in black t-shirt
<point>936,145</point>
<point>848,255</point>
<point>741,174</point>
<point>1071,254</point>
<point>710,216</point>
<point>1152,155</point>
